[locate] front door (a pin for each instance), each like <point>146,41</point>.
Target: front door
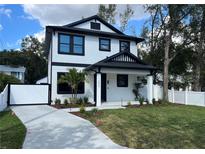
<point>103,87</point>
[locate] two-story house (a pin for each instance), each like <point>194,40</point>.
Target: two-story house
<point>108,56</point>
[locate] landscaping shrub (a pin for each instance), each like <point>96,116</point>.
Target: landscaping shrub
<point>129,104</point>
<point>65,102</point>
<point>85,100</point>
<point>141,100</point>
<point>94,111</point>
<point>147,101</point>
<point>80,101</point>
<point>160,101</point>
<point>57,101</point>
<point>82,109</point>
<point>153,101</point>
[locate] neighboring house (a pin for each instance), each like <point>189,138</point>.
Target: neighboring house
<point>108,56</point>
<point>17,71</point>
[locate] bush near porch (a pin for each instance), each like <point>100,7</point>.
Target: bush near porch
<point>12,131</point>
<point>153,126</point>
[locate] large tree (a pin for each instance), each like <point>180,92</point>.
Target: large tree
<point>31,56</point>
<point>196,33</point>
<point>107,12</point>
<point>125,16</point>
<point>167,22</point>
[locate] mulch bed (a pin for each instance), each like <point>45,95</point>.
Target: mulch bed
<point>63,106</point>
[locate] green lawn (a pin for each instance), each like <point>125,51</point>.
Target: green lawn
<point>12,131</point>
<point>153,126</point>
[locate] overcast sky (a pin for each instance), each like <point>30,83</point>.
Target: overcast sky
<point>18,21</point>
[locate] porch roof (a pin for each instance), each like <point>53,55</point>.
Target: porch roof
<point>122,60</point>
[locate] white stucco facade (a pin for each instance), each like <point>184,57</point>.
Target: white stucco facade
<point>92,52</point>
<point>61,63</point>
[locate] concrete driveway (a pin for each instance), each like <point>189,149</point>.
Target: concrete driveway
<point>49,128</point>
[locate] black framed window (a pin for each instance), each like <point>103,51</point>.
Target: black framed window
<point>124,46</point>
<point>122,80</point>
<point>70,44</point>
<point>104,44</point>
<point>64,88</point>
<point>64,43</point>
<point>94,25</point>
<point>78,44</point>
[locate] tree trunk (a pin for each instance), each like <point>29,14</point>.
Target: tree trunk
<point>196,78</point>
<point>166,64</point>
<point>199,56</point>
<point>165,80</point>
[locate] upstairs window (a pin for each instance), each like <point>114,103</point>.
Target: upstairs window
<point>124,46</point>
<point>71,44</point>
<point>78,44</point>
<point>94,25</point>
<point>104,44</point>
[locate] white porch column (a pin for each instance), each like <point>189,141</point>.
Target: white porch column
<point>98,89</point>
<point>150,88</point>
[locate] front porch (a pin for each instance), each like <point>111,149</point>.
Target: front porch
<point>108,92</point>
<point>115,76</point>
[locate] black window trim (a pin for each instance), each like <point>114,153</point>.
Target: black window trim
<point>95,28</point>
<point>124,41</point>
<point>125,75</point>
<point>65,92</point>
<point>101,38</point>
<point>71,44</point>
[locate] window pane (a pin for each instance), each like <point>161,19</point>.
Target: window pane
<point>78,40</point>
<point>104,42</point>
<point>78,49</point>
<point>64,88</point>
<point>65,39</point>
<point>64,48</point>
<point>122,80</point>
<point>106,47</point>
<point>124,46</point>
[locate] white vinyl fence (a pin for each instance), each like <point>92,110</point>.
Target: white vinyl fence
<point>174,96</point>
<point>4,98</point>
<point>187,97</point>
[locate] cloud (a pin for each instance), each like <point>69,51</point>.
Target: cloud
<point>6,12</point>
<point>1,27</point>
<point>64,14</point>
<point>40,35</point>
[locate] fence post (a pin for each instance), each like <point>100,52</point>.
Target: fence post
<point>8,94</point>
<point>172,94</point>
<point>185,96</point>
<point>204,98</point>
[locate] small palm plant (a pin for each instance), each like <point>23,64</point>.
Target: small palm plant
<point>73,78</point>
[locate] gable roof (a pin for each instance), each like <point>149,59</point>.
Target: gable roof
<point>70,28</point>
<point>122,60</point>
<point>96,17</point>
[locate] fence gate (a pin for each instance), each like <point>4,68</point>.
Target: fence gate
<point>28,94</point>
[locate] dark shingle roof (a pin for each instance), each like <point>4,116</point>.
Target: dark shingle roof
<point>122,60</point>
<point>96,17</point>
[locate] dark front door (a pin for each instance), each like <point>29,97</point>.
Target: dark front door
<point>103,87</point>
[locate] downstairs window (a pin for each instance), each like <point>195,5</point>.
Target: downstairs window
<point>122,80</point>
<point>64,88</point>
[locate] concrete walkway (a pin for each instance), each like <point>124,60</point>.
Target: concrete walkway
<point>49,128</point>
